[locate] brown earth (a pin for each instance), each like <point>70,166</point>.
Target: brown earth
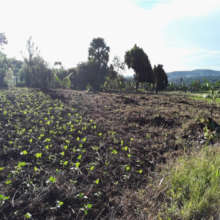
<point>162,127</point>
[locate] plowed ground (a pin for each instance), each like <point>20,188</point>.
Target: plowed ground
<point>78,155</point>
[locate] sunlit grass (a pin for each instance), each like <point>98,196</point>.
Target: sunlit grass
<point>202,97</point>
<point>194,189</point>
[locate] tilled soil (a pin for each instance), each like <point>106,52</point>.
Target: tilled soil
<point>162,124</point>
<point>162,127</point>
<point>101,147</point>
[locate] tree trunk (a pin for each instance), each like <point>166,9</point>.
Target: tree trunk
<point>137,85</point>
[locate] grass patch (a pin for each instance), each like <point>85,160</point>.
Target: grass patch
<point>194,189</point>
<point>201,97</point>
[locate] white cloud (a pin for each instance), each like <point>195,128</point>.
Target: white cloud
<point>63,29</point>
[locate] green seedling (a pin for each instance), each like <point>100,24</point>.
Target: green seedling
<point>28,215</point>
<point>51,179</point>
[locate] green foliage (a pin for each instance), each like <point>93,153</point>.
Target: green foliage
<point>9,71</point>
<point>89,73</point>
<point>35,69</point>
<point>16,66</point>
<point>160,78</point>
<point>138,60</point>
<point>99,52</point>
<point>195,85</point>
<point>52,179</point>
<point>117,83</point>
<point>9,78</point>
<point>3,69</point>
<point>62,77</point>
<point>28,215</point>
<point>92,74</point>
<point>194,189</point>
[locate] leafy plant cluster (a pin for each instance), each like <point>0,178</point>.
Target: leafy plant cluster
<point>55,163</point>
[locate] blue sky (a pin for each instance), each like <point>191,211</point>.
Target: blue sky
<point>180,34</point>
<point>149,4</point>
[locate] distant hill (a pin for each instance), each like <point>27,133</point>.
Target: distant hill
<point>198,74</point>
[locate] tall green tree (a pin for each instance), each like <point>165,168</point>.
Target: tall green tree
<point>161,80</point>
<point>3,60</point>
<point>92,74</point>
<point>138,60</point>
<point>3,69</point>
<point>36,71</point>
<point>99,52</point>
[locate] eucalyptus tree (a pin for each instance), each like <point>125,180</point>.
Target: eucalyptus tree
<point>138,60</point>
<point>161,80</point>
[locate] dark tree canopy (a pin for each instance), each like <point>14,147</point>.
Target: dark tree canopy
<point>161,80</point>
<point>88,74</point>
<point>138,60</point>
<point>99,52</point>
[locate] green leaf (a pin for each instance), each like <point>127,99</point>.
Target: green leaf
<point>2,197</point>
<point>89,206</point>
<point>7,182</point>
<point>122,142</point>
<point>52,179</point>
<point>140,171</point>
<point>92,168</point>
<point>21,164</point>
<point>97,181</point>
<point>84,139</point>
<point>77,164</point>
<point>114,151</point>
<point>79,157</point>
<point>59,203</point>
<point>67,141</point>
<point>24,152</point>
<point>127,168</point>
<point>125,148</point>
<point>28,215</point>
<point>65,163</point>
<point>38,155</point>
<point>2,168</point>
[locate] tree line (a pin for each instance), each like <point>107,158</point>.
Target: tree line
<point>94,74</point>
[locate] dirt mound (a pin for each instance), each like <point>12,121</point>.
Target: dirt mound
<point>161,121</point>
